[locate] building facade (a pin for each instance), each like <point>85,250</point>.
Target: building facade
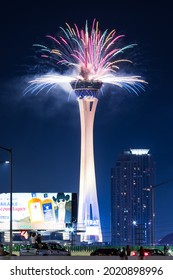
<point>132,212</point>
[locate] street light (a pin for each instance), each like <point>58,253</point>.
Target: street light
<point>137,233</point>
<point>5,161</point>
<point>153,207</point>
<point>11,200</point>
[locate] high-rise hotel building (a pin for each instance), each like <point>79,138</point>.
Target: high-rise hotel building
<point>132,179</point>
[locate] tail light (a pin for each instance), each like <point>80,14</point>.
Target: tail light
<point>146,254</point>
<point>133,253</point>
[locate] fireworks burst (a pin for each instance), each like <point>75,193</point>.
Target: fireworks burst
<point>92,56</point>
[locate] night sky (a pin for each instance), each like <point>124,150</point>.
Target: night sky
<point>44,130</point>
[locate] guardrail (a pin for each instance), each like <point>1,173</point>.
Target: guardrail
<point>89,249</point>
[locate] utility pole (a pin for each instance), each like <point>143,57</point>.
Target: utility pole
<point>153,206</point>
<point>11,200</point>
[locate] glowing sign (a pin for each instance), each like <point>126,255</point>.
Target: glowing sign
<point>139,151</point>
<point>39,211</point>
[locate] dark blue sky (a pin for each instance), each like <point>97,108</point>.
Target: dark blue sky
<point>44,130</point>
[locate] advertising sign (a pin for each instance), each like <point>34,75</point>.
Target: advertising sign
<point>37,211</point>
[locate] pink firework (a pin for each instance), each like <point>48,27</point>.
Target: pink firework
<point>94,56</point>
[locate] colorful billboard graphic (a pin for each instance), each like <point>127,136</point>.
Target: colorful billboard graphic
<point>36,211</point>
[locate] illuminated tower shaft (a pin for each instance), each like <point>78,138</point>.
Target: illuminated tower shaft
<point>88,210</point>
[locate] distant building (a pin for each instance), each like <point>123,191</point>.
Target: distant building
<point>132,179</point>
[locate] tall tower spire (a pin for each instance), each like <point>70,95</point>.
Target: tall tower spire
<point>88,210</point>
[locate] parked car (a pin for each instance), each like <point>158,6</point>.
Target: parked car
<point>105,252</point>
<point>152,252</point>
<point>44,249</point>
<point>127,251</point>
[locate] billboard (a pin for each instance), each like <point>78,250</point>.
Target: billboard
<point>36,211</point>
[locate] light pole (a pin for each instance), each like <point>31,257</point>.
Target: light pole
<point>153,207</point>
<point>11,199</point>
<point>137,234</point>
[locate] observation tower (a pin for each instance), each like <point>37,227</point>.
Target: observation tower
<point>88,210</point>
<point>94,55</point>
